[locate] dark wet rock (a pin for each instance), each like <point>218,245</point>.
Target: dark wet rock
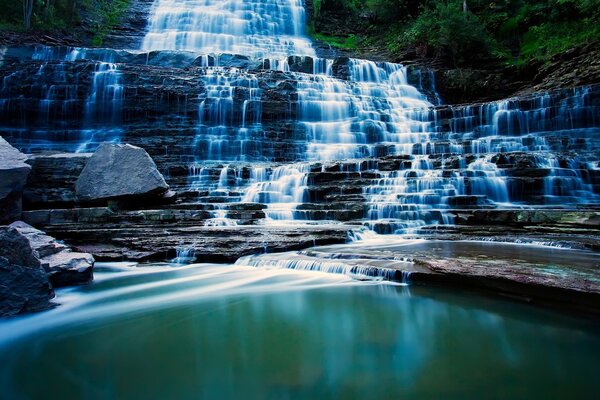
<point>51,183</point>
<point>301,64</point>
<point>573,218</point>
<point>468,201</point>
<point>119,172</point>
<point>341,68</point>
<point>236,61</point>
<point>157,234</point>
<point>166,58</point>
<point>29,247</point>
<point>458,86</point>
<point>246,207</point>
<point>17,248</point>
<point>23,289</point>
<point>13,176</point>
<point>574,67</point>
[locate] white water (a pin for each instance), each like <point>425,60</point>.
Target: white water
<point>256,28</point>
<point>124,288</point>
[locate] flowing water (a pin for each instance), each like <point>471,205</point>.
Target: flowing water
<point>263,98</point>
<point>255,117</point>
<point>232,331</point>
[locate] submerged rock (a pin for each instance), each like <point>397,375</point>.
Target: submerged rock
<point>118,171</point>
<point>23,289</point>
<point>22,244</point>
<point>13,177</point>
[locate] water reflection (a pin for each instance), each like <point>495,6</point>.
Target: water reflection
<point>234,332</point>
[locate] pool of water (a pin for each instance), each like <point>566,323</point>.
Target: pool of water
<point>225,331</point>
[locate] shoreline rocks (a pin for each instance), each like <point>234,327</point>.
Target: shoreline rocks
<point>23,245</point>
<point>23,289</point>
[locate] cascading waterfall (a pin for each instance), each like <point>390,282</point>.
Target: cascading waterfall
<point>60,99</point>
<point>283,190</point>
<point>268,120</point>
<point>375,112</point>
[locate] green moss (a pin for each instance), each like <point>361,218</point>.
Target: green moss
<point>349,42</point>
<point>544,41</point>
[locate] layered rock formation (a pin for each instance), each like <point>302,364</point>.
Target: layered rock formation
<point>29,247</point>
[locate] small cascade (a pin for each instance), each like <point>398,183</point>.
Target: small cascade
<point>218,183</point>
<point>528,124</point>
<point>409,198</point>
<point>485,179</point>
<point>375,113</point>
<point>106,100</point>
<point>283,188</point>
<point>229,115</point>
<point>65,120</point>
<point>219,218</point>
<point>59,97</point>
<point>304,263</point>
<point>566,183</point>
<point>184,255</point>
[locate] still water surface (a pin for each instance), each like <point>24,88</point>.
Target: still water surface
<point>224,332</point>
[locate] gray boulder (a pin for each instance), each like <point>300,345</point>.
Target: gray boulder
<point>119,171</point>
<point>13,177</point>
<point>23,289</point>
<point>23,245</point>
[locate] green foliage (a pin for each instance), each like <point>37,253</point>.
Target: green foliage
<point>99,16</point>
<point>543,41</point>
<point>106,14</point>
<point>348,43</point>
<point>513,31</point>
<point>449,31</point>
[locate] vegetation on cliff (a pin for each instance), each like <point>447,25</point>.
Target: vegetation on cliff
<point>463,32</point>
<point>96,17</point>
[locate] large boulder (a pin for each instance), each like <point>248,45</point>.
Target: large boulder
<point>13,177</point>
<point>23,289</point>
<point>23,245</point>
<point>119,171</point>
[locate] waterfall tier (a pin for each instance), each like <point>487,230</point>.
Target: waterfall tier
<point>302,138</point>
<point>251,27</point>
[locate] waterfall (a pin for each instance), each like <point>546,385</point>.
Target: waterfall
<point>60,98</point>
<point>256,28</point>
<point>232,93</point>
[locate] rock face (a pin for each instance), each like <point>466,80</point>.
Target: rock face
<point>13,176</point>
<point>51,183</point>
<point>23,289</point>
<point>117,172</point>
<point>23,245</point>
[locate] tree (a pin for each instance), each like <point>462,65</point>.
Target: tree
<point>27,12</point>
